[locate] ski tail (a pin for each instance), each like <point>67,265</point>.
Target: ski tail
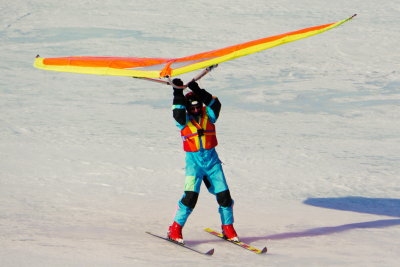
<point>207,253</point>
<point>240,244</point>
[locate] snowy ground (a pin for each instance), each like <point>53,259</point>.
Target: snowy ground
<point>309,134</point>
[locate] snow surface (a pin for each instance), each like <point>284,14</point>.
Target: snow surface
<point>309,134</point>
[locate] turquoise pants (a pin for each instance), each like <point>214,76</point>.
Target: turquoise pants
<point>204,165</point>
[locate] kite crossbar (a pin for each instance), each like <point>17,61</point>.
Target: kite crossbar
<point>169,81</point>
<point>204,72</point>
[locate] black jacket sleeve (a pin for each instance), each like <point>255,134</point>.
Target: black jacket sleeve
<point>216,107</point>
<point>179,114</point>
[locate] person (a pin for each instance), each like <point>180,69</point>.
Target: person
<point>195,114</point>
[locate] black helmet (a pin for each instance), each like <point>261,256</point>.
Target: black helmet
<point>192,99</point>
<point>193,104</point>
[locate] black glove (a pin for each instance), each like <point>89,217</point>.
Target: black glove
<point>177,82</point>
<point>193,85</point>
<point>204,96</point>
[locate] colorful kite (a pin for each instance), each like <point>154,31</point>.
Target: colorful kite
<point>169,67</point>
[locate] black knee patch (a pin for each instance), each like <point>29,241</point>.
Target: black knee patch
<point>224,198</point>
<point>190,199</point>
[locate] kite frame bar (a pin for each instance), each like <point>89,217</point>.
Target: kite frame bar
<point>169,81</point>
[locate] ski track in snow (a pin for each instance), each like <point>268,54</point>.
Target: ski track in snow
<point>308,134</point>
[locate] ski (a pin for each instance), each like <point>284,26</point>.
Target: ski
<point>208,253</point>
<point>240,244</point>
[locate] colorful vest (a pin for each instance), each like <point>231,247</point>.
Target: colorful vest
<point>196,135</point>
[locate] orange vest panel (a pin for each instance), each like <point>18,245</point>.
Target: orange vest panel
<point>196,135</point>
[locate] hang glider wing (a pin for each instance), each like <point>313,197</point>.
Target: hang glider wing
<point>162,67</point>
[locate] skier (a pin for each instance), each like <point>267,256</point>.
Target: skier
<point>195,115</point>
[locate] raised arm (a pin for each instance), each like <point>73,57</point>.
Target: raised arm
<point>179,103</point>
<point>205,97</point>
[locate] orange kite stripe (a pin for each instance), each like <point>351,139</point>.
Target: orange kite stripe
<point>162,67</point>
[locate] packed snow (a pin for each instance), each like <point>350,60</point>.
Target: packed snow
<point>309,134</point>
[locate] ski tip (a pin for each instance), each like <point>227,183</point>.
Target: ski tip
<point>264,250</point>
<point>210,252</point>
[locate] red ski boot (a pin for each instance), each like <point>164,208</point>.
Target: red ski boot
<point>229,232</point>
<point>175,233</point>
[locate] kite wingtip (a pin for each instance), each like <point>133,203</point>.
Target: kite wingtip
<point>353,16</point>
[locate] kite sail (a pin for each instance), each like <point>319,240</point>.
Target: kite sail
<point>170,67</point>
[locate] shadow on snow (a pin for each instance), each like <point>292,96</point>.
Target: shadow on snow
<point>377,206</point>
<point>326,230</point>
